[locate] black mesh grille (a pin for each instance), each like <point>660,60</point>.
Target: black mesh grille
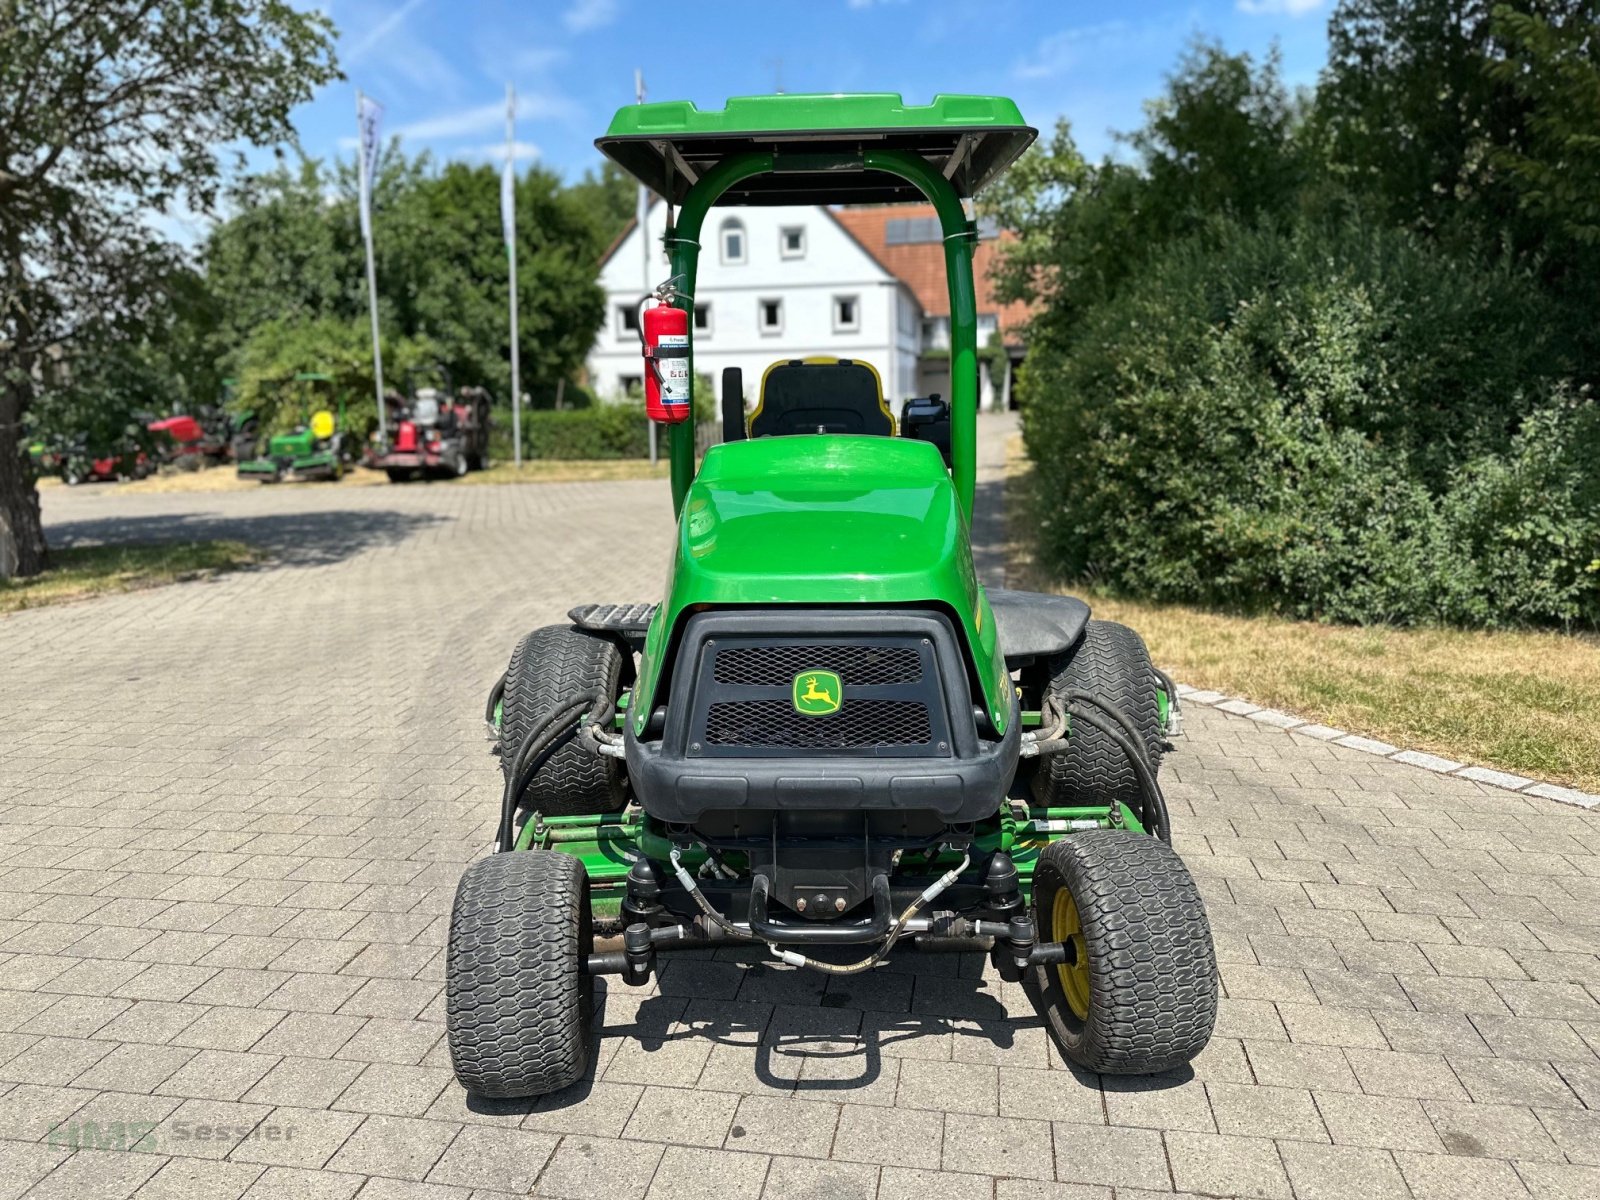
<point>859,724</point>
<point>857,665</point>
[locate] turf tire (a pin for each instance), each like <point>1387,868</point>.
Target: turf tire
<point>519,1007</point>
<point>1109,661</point>
<point>549,667</point>
<point>1152,969</point>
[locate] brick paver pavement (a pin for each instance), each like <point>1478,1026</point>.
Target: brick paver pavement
<point>232,815</point>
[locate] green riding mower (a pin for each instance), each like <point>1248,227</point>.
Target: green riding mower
<point>315,448</point>
<point>828,742</point>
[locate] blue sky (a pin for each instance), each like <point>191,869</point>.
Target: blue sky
<point>440,66</point>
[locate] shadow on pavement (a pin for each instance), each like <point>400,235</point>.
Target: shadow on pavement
<point>311,539</point>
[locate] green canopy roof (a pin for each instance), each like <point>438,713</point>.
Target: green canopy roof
<point>669,146</point>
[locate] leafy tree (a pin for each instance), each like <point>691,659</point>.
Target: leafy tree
<point>278,350</point>
<point>111,110</point>
<point>610,198</point>
<point>1221,140</point>
<point>1553,64</point>
<point>287,251</point>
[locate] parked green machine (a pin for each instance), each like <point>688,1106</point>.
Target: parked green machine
<point>829,741</point>
<point>315,447</point>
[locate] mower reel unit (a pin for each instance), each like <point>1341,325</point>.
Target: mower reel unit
<point>314,449</point>
<point>829,742</point>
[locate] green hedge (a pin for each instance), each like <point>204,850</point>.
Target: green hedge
<point>604,431</point>
<point>1336,423</point>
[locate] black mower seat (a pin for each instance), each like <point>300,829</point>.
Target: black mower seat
<point>1033,625</point>
<point>821,395</point>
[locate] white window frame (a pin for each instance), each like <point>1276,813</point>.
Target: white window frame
<point>761,316</point>
<point>853,326</point>
<point>733,225</point>
<point>623,332</point>
<point>783,242</point>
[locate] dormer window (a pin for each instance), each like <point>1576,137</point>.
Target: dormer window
<point>733,242</point>
<point>792,241</point>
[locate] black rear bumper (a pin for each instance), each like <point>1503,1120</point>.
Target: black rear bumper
<point>957,775</point>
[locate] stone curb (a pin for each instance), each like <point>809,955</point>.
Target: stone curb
<point>1274,719</point>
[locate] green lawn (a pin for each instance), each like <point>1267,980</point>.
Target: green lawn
<point>76,574</point>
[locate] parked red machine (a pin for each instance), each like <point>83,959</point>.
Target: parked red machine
<point>436,431</point>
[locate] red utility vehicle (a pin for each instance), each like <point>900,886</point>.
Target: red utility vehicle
<point>434,433</point>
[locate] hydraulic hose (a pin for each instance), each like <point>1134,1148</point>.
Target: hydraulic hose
<point>546,733</point>
<point>1117,715</point>
<point>795,959</point>
<point>1174,709</point>
<point>1154,816</point>
<point>693,888</point>
<point>496,694</point>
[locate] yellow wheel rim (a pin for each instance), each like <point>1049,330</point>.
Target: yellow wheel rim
<point>1066,927</point>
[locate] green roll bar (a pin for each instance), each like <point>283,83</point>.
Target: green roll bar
<point>960,239</point>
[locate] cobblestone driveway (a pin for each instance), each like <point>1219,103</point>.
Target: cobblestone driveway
<point>232,815</point>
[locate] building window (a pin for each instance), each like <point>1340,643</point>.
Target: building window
<point>627,320</point>
<point>988,326</point>
<point>631,385</point>
<point>733,247</point>
<point>936,333</point>
<point>769,315</point>
<point>702,318</point>
<point>792,241</point>
<point>847,314</point>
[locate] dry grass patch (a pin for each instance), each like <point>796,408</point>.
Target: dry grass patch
<point>226,479</point>
<point>81,572</point>
<point>1520,701</point>
<point>555,470</point>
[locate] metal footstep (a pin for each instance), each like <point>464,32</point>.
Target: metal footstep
<point>627,620</point>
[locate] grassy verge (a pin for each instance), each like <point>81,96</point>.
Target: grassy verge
<point>76,574</point>
<point>1519,701</point>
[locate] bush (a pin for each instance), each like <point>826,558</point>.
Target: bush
<point>1336,423</point>
<point>604,431</point>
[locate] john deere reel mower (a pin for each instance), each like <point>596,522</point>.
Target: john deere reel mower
<point>315,448</point>
<point>828,743</point>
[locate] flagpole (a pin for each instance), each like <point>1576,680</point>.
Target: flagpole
<point>372,278</point>
<point>508,218</point>
<point>642,218</point>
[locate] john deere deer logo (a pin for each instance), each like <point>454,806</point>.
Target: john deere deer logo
<point>817,693</point>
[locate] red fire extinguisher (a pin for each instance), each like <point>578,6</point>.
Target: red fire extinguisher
<point>664,330</point>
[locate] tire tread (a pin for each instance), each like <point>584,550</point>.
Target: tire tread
<point>518,1005</point>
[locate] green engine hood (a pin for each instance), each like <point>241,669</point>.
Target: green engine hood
<point>825,520</point>
<point>290,443</point>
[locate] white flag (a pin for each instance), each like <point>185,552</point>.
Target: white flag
<point>508,175</point>
<point>508,200</point>
<point>369,115</point>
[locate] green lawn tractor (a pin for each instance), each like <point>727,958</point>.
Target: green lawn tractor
<point>829,742</point>
<point>315,448</point>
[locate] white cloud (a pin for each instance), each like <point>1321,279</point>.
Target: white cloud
<point>1056,53</point>
<point>585,15</point>
<point>497,150</point>
<point>381,30</point>
<point>1286,8</point>
<point>481,118</point>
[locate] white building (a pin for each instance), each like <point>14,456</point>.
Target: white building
<point>774,283</point>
